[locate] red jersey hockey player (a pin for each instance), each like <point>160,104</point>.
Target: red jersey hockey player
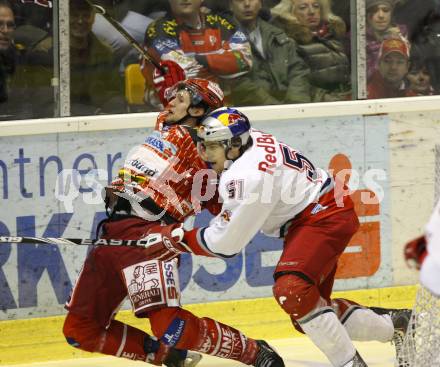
<point>110,274</point>
<point>269,186</point>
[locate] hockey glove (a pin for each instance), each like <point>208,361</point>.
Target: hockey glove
<point>163,81</point>
<point>165,242</point>
<point>415,252</point>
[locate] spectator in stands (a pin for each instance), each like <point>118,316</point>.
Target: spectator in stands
<point>413,14</point>
<point>7,48</point>
<point>37,13</point>
<point>389,80</point>
<point>134,16</point>
<point>278,74</point>
<point>34,22</point>
<point>204,45</point>
<point>215,6</point>
<point>342,9</point>
<point>95,84</point>
<point>270,3</point>
<point>13,101</point>
<point>380,26</point>
<point>419,79</point>
<point>426,44</point>
<point>319,35</point>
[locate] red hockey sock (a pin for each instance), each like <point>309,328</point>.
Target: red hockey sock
<point>342,306</point>
<point>118,340</point>
<point>183,330</point>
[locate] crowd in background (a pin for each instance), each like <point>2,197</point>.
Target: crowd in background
<point>260,51</point>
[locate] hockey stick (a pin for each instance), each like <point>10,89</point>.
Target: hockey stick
<point>146,242</point>
<point>100,10</point>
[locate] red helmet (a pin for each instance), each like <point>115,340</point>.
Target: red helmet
<point>201,90</point>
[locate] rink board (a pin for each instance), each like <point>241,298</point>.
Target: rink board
<point>35,280</point>
<point>41,339</point>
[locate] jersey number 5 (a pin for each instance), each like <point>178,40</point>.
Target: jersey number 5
<point>296,160</point>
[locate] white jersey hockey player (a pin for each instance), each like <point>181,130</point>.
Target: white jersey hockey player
<point>430,271</point>
<point>269,186</point>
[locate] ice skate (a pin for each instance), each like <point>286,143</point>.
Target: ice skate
<point>267,357</point>
<point>175,359</point>
<point>400,319</point>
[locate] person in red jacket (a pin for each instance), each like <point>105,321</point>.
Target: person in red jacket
<point>389,80</point>
<point>203,45</point>
<point>154,188</point>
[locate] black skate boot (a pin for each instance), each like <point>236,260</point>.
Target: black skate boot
<point>400,319</point>
<point>178,358</point>
<point>357,361</point>
<point>267,357</point>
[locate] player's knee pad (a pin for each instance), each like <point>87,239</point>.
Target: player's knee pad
<point>81,332</point>
<point>296,295</point>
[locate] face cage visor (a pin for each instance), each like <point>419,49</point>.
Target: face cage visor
<point>209,151</point>
<point>171,93</point>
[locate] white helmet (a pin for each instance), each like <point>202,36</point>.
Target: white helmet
<point>226,125</point>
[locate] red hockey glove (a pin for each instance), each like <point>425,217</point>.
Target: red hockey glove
<point>163,81</point>
<point>415,252</point>
<point>165,242</point>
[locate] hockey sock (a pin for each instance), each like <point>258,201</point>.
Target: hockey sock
<point>187,331</point>
<point>363,324</point>
<point>329,335</point>
<point>132,343</point>
<point>118,339</point>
